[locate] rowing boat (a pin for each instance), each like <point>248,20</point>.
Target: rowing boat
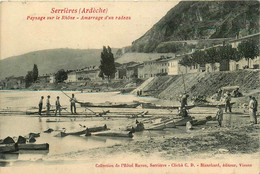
<point>97,129</point>
<point>115,134</point>
<point>77,133</point>
<point>44,146</point>
<point>8,148</point>
<point>158,126</point>
<point>183,121</point>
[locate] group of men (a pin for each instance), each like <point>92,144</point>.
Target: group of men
<point>253,104</point>
<point>73,102</point>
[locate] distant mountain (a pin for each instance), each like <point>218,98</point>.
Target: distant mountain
<point>50,61</point>
<point>195,20</point>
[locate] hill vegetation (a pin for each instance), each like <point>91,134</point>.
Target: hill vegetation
<point>199,20</point>
<point>50,61</point>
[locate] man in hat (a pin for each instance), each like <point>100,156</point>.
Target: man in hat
<point>253,104</point>
<point>58,106</point>
<point>48,105</point>
<point>73,101</point>
<point>40,105</point>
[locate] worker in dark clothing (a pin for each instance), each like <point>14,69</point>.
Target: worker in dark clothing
<point>58,106</point>
<point>227,102</point>
<point>48,105</point>
<point>73,101</point>
<point>40,105</point>
<point>183,111</point>
<point>184,100</point>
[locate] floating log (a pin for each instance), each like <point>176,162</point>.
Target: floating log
<point>115,134</point>
<point>8,148</point>
<point>44,146</point>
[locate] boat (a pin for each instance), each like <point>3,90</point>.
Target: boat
<point>54,121</point>
<point>8,148</point>
<point>170,124</point>
<point>109,105</point>
<point>154,106</point>
<point>44,146</point>
<point>138,128</point>
<point>77,133</point>
<point>158,126</point>
<point>183,121</point>
<point>213,105</point>
<point>198,122</point>
<point>115,134</point>
<point>97,129</point>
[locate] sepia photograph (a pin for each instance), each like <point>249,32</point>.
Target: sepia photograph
<point>158,87</point>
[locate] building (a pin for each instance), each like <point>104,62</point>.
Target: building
<point>88,73</point>
<point>44,79</point>
<point>52,78</point>
<point>152,68</point>
<point>13,82</point>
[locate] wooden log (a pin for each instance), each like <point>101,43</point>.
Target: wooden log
<point>8,148</point>
<point>44,146</point>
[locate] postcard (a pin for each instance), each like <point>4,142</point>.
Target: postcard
<point>129,87</point>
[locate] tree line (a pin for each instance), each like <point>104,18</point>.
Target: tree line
<point>247,49</point>
<point>107,69</point>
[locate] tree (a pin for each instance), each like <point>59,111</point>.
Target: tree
<point>248,50</point>
<point>35,72</point>
<point>107,63</point>
<point>61,75</point>
<point>199,57</point>
<point>228,53</point>
<point>186,61</point>
<point>28,79</point>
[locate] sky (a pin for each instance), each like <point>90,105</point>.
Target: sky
<point>21,34</point>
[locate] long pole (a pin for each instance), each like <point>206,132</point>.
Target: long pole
<point>77,101</point>
<point>183,82</point>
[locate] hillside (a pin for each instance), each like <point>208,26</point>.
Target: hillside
<point>49,61</point>
<point>195,20</point>
<point>205,84</point>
